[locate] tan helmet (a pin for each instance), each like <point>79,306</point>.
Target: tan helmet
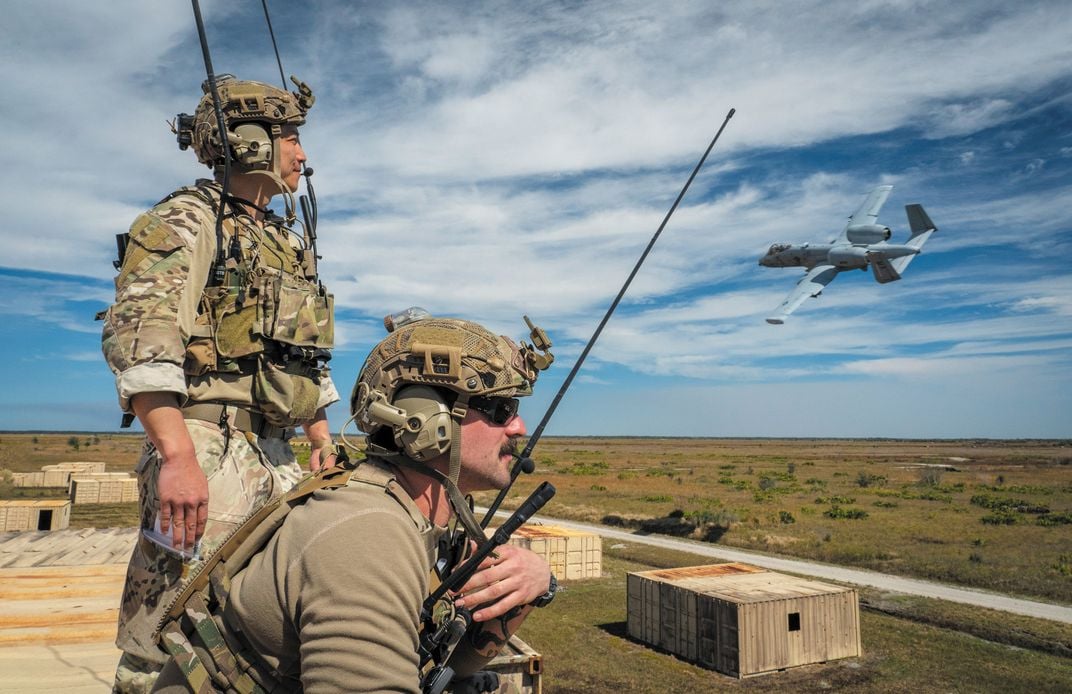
<point>255,114</point>
<point>418,381</point>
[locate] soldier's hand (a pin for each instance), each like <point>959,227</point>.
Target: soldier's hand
<point>182,490</point>
<point>509,577</point>
<point>322,456</point>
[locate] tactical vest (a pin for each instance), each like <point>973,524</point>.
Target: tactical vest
<point>269,319</point>
<point>194,631</point>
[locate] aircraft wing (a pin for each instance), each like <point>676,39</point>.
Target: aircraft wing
<point>811,284</point>
<point>867,213</point>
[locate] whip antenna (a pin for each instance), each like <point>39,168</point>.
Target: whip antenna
<point>268,19</point>
<point>523,460</point>
<point>221,124</point>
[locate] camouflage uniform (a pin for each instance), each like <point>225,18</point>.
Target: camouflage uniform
<point>243,357</point>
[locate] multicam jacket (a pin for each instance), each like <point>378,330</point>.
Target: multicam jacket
<point>258,339</point>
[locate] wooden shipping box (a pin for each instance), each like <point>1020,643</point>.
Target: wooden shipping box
<point>34,514</point>
<point>88,490</point>
<point>520,665</point>
<point>572,554</point>
<point>742,620</point>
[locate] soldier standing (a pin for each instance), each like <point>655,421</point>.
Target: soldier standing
<point>218,339</point>
<point>327,595</point>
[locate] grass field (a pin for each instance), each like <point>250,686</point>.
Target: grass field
<point>984,514</point>
<point>965,512</point>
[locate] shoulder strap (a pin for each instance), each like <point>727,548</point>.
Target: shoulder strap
<point>254,532</point>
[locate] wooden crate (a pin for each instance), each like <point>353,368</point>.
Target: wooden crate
<point>519,664</point>
<point>42,478</point>
<point>105,488</point>
<point>34,514</point>
<point>89,466</point>
<point>742,620</point>
<point>572,554</point>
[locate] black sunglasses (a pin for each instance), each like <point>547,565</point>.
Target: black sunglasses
<point>498,410</point>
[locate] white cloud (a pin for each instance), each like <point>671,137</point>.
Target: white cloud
<point>489,159</point>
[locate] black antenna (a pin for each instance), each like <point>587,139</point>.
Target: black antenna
<point>307,203</point>
<point>221,124</point>
<point>268,19</point>
<point>523,460</point>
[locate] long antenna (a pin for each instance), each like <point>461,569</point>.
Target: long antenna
<point>268,19</point>
<point>523,461</point>
<point>221,124</point>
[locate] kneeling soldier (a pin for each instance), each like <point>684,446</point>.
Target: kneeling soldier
<point>332,599</point>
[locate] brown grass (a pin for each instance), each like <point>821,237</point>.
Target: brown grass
<point>801,498</point>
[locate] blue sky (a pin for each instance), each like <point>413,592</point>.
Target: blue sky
<point>488,159</point>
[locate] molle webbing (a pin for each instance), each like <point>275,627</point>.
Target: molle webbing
<point>231,667</point>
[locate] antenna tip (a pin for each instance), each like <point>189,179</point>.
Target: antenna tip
<point>730,114</point>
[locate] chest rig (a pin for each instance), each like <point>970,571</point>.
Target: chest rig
<point>269,318</point>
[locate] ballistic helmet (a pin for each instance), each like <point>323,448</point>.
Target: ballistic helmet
<point>255,114</point>
<point>419,380</point>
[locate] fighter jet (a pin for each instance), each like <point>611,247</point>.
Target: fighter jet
<point>862,243</point>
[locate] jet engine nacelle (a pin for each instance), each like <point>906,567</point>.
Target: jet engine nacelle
<point>867,233</point>
<point>848,256</point>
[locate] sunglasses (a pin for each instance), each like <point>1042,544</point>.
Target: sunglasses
<point>498,410</point>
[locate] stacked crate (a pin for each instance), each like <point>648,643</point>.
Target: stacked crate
<point>104,488</point>
<point>572,554</point>
<point>742,620</point>
<point>55,475</point>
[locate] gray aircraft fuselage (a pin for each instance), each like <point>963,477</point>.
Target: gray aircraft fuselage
<point>845,256</point>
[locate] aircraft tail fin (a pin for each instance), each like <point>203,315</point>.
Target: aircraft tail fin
<point>922,228</point>
<point>886,270</point>
<point>920,223</point>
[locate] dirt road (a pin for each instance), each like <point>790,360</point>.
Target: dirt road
<point>861,577</point>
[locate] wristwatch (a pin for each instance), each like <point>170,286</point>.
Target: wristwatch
<point>545,599</point>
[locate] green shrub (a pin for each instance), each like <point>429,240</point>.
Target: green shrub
<point>839,512</point>
<point>836,500</point>
<point>597,467</point>
<point>786,517</point>
<point>657,498</point>
<point>1007,504</point>
<point>1053,519</point>
<point>999,518</point>
<point>866,479</point>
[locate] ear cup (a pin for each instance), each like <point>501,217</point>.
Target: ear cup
<point>427,429</point>
<point>252,145</point>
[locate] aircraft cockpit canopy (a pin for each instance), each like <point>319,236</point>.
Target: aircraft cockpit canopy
<point>777,248</point>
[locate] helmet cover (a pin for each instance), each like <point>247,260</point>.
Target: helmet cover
<point>244,101</point>
<point>448,354</point>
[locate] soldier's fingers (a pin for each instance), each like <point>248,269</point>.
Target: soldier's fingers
<point>202,520</point>
<point>178,528</point>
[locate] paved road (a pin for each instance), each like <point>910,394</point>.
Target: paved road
<point>860,577</point>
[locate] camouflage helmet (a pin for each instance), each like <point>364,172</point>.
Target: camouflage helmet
<point>255,113</point>
<point>421,359</point>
